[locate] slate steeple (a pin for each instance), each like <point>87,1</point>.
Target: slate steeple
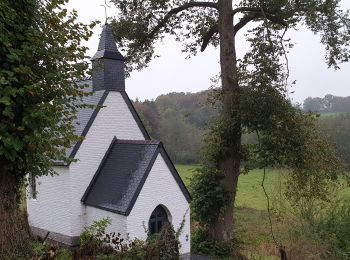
<point>108,64</point>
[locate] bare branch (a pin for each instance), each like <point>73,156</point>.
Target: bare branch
<point>206,39</point>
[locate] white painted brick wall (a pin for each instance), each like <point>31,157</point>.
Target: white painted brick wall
<point>114,119</point>
<point>58,207</point>
<point>160,188</point>
<point>118,222</point>
<point>50,211</point>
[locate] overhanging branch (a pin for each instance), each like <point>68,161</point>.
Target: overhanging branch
<point>245,9</point>
<point>206,39</point>
<point>177,10</point>
<point>257,15</point>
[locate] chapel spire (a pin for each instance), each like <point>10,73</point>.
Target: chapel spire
<point>108,64</point>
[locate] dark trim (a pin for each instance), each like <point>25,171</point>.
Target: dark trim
<point>138,142</point>
<point>162,151</point>
<point>142,182</point>
<point>107,54</point>
<point>135,115</point>
<point>87,191</point>
<point>106,209</point>
<point>174,172</point>
<point>88,125</point>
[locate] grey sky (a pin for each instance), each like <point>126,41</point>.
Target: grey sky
<point>173,73</point>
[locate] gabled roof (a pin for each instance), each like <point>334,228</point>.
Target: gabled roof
<point>86,116</point>
<point>122,174</point>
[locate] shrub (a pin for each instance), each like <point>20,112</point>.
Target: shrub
<point>168,244</point>
<point>96,243</point>
<point>333,227</point>
<point>92,236</point>
<point>202,244</point>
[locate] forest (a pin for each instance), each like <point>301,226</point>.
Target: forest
<point>180,121</point>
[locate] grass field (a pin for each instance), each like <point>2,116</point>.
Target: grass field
<point>250,192</point>
<point>252,220</point>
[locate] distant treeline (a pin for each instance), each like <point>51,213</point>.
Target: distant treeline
<point>180,121</point>
<point>328,104</point>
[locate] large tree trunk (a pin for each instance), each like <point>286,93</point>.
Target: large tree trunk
<point>14,233</point>
<point>222,230</point>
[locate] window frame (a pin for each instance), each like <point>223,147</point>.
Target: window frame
<point>159,218</point>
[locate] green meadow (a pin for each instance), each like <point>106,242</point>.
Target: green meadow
<point>252,218</point>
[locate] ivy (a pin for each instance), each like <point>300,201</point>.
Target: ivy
<point>285,136</point>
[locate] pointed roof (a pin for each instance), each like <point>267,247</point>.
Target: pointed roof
<point>122,174</point>
<point>107,47</point>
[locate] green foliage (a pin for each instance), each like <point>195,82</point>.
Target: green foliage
<point>45,252</point>
<point>168,245</point>
<point>179,120</point>
<point>95,242</point>
<point>335,128</point>
<point>93,235</point>
<point>200,244</point>
<point>259,103</point>
<point>64,254</point>
<point>38,248</point>
<point>333,227</point>
<point>41,62</point>
<point>142,24</point>
<point>209,197</point>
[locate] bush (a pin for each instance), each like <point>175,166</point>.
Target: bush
<point>201,244</point>
<point>168,244</point>
<point>333,227</point>
<point>92,236</point>
<point>46,252</point>
<point>96,243</point>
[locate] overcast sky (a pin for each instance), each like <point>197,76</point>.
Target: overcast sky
<point>173,73</point>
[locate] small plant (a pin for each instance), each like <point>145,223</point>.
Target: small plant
<point>64,254</point>
<point>92,236</point>
<point>168,244</point>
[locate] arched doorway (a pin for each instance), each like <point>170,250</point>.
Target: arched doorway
<point>159,218</point>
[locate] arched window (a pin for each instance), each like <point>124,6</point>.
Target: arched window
<point>158,219</point>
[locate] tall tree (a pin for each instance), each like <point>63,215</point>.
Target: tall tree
<point>258,79</point>
<point>40,62</point>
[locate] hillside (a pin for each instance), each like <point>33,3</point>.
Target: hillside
<point>180,120</point>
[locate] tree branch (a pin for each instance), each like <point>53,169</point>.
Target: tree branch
<point>206,39</point>
<point>245,9</point>
<point>256,15</point>
<point>244,20</point>
<point>177,10</point>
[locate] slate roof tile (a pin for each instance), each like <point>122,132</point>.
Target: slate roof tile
<point>122,173</point>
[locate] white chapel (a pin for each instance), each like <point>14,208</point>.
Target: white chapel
<point>119,173</point>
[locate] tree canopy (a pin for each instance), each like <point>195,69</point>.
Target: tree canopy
<point>195,24</point>
<point>41,61</point>
<point>253,92</point>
